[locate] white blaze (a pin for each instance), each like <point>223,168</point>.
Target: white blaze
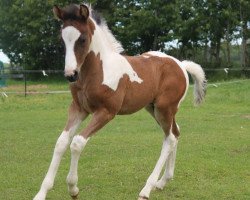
<point>70,35</point>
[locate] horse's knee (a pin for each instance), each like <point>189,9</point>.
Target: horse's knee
<point>77,144</point>
<point>62,142</point>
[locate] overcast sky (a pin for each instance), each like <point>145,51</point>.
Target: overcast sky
<point>4,58</point>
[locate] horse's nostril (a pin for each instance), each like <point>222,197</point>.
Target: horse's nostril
<point>76,74</point>
<point>73,78</point>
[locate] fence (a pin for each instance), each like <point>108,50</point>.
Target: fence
<point>27,82</point>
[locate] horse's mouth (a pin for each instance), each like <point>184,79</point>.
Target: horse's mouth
<point>72,78</point>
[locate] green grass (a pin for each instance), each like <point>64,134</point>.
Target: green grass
<point>213,157</point>
<point>41,85</point>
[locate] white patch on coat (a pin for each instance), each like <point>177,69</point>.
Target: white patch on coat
<point>115,66</point>
<point>70,35</point>
<point>145,56</point>
<point>160,54</point>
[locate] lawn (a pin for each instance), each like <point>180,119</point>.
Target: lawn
<point>213,157</point>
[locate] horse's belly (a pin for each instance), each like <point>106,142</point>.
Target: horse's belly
<point>137,97</point>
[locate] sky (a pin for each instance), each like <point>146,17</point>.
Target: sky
<point>4,58</point>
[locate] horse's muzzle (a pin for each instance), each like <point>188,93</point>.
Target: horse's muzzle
<point>72,78</point>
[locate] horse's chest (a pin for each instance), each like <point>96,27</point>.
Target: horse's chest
<point>92,98</point>
<point>82,100</point>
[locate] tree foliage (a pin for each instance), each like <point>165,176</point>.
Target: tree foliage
<point>29,33</point>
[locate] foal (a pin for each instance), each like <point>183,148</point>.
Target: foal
<point>104,83</point>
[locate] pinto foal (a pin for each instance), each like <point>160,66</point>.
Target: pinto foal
<point>105,83</point>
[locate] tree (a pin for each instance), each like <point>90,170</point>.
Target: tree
<point>140,25</point>
<point>245,19</point>
<point>187,28</point>
<point>206,24</point>
<point>29,34</point>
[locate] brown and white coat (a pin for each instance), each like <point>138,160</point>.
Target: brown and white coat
<point>105,83</point>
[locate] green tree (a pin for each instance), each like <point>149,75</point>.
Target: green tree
<point>140,25</point>
<point>245,31</point>
<point>144,25</point>
<point>206,24</point>
<point>187,28</point>
<point>29,33</point>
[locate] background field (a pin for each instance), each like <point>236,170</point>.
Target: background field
<point>212,158</point>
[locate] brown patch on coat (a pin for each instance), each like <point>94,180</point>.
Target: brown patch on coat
<point>162,77</point>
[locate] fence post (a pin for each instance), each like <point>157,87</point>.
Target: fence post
<point>25,84</point>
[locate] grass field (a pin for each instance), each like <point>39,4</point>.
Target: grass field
<point>213,157</point>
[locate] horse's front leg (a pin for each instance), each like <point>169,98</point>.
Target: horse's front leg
<point>75,117</point>
<point>99,119</point>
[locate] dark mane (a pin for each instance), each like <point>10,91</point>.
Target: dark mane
<point>97,17</point>
<point>71,12</point>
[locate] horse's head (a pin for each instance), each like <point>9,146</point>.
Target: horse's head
<point>77,31</point>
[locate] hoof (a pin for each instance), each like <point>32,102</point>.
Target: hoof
<point>143,198</point>
<point>74,192</point>
<point>160,185</point>
<point>40,196</point>
<point>74,197</point>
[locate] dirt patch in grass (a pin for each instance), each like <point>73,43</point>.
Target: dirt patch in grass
<point>29,87</point>
<point>246,116</point>
<point>241,150</point>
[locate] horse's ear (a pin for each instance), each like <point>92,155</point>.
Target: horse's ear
<point>58,12</point>
<point>84,11</point>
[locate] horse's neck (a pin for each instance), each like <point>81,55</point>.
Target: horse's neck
<point>100,44</point>
<point>113,65</point>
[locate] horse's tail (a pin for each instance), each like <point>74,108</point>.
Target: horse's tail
<point>199,78</point>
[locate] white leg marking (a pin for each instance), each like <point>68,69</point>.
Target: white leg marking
<point>77,145</point>
<point>60,148</point>
<point>167,148</point>
<point>169,170</point>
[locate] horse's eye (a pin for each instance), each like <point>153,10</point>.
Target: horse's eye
<point>82,39</point>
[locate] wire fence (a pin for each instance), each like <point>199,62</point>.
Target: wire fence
<point>30,82</point>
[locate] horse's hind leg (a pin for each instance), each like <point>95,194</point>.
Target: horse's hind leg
<point>170,164</point>
<point>165,117</point>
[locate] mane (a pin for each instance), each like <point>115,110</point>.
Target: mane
<point>115,45</point>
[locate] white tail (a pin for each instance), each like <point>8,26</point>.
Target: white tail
<point>200,81</point>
